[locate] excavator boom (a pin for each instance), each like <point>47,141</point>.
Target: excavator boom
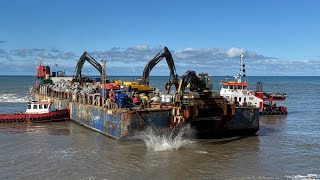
<point>86,57</point>
<point>165,53</point>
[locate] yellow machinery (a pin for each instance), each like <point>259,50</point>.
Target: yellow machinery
<point>135,86</point>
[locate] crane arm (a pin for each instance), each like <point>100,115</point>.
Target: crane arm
<point>164,53</point>
<point>86,57</point>
<point>190,77</point>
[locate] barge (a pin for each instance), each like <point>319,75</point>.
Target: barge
<point>119,111</point>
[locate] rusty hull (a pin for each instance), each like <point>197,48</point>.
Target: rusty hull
<point>120,123</point>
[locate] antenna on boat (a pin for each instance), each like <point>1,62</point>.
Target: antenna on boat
<point>241,77</point>
<point>55,65</point>
<point>103,77</point>
<point>40,62</point>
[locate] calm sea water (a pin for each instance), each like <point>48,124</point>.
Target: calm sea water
<point>286,147</point>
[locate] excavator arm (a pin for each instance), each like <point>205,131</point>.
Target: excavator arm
<point>86,57</point>
<point>165,53</point>
<point>189,78</point>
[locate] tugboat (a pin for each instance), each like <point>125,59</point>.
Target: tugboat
<point>37,112</point>
<point>237,91</point>
<point>270,100</point>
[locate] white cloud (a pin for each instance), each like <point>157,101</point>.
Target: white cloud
<point>216,54</point>
<point>3,53</point>
<point>141,47</point>
<point>42,53</point>
<point>132,60</point>
<point>235,52</point>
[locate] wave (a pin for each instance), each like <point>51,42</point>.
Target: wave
<point>14,98</point>
<point>306,177</point>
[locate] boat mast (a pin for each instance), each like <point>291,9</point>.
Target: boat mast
<point>241,76</point>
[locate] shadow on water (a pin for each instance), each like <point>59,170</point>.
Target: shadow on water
<point>271,124</point>
<point>50,128</point>
<point>224,140</point>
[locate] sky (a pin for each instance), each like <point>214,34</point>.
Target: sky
<point>278,38</point>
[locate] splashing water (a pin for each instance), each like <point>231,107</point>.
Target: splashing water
<point>164,139</point>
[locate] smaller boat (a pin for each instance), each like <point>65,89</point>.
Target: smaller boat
<point>270,100</point>
<point>237,92</point>
<point>37,112</point>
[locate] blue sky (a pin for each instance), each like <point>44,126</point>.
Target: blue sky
<point>278,38</point>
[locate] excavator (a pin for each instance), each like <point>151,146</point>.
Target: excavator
<point>199,88</point>
<point>199,106</point>
<point>173,79</point>
<point>78,72</point>
<point>195,82</point>
<point>142,85</point>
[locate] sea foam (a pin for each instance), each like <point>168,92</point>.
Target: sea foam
<point>14,98</point>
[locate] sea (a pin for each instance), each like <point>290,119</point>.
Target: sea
<point>285,147</point>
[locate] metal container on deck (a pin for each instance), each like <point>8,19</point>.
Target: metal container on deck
<point>166,98</point>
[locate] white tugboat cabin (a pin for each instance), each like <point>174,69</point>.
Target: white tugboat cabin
<point>36,107</point>
<point>237,91</point>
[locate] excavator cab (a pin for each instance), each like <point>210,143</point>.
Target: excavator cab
<point>195,83</point>
<point>205,81</point>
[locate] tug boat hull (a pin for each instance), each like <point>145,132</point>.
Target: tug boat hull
<point>58,115</point>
